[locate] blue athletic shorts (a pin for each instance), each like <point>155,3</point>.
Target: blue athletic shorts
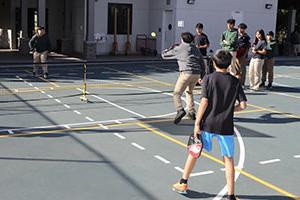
<point>226,143</point>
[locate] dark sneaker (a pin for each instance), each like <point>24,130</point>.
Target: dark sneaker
<point>33,74</point>
<point>232,197</point>
<point>262,85</point>
<point>269,86</point>
<point>191,115</point>
<point>180,114</point>
<point>46,75</point>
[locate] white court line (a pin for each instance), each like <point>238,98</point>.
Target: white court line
<point>36,88</point>
<point>179,169</point>
<point>67,127</point>
<point>16,90</point>
<point>49,96</point>
<point>115,105</point>
<point>67,106</point>
<point>120,136</point>
<point>118,122</point>
<point>58,101</point>
<point>10,132</point>
<point>51,88</point>
<point>296,156</point>
<point>29,84</point>
<point>90,119</point>
<point>103,126</point>
<point>138,146</point>
<point>77,112</point>
<point>201,173</point>
<point>240,164</point>
<point>269,161</point>
<point>72,124</point>
<point>162,159</point>
<point>43,92</point>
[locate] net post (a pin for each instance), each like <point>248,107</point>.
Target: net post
<point>84,92</point>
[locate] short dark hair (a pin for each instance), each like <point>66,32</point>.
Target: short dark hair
<point>242,26</point>
<point>231,21</point>
<point>187,37</point>
<point>270,33</point>
<point>199,25</point>
<point>222,58</point>
<point>40,28</point>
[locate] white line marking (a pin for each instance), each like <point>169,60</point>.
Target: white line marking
<point>73,124</point>
<point>201,173</point>
<point>67,127</point>
<point>269,161</point>
<point>16,90</point>
<point>118,122</point>
<point>36,88</point>
<point>138,146</point>
<point>65,105</point>
<point>10,132</point>
<point>162,159</point>
<point>240,164</point>
<point>122,108</point>
<point>179,169</point>
<point>58,101</point>
<point>30,84</point>
<point>43,92</point>
<point>102,126</point>
<point>77,112</point>
<point>90,119</point>
<point>51,88</point>
<point>120,136</point>
<point>49,96</point>
<point>296,156</point>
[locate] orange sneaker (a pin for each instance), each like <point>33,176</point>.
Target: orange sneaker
<point>180,188</point>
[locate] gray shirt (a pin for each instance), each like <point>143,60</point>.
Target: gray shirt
<point>189,58</point>
<point>261,45</point>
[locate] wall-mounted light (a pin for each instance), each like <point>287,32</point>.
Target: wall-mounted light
<point>268,6</point>
<point>190,1</point>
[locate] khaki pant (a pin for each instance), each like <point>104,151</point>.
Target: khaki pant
<point>185,82</point>
<point>268,68</point>
<point>255,71</point>
<point>232,68</point>
<point>241,69</point>
<point>40,58</point>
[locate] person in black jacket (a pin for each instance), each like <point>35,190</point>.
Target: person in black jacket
<point>40,46</point>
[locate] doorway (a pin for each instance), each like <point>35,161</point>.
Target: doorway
<point>168,29</point>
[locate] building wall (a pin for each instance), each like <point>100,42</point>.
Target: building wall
<point>214,18</point>
<point>78,24</point>
<point>140,23</point>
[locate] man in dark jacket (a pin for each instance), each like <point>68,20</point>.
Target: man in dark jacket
<point>40,46</point>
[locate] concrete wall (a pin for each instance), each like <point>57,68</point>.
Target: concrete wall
<point>78,24</point>
<point>140,23</point>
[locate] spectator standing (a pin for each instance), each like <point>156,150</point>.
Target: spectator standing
<point>228,42</point>
<point>191,65</point>
<point>259,50</point>
<point>295,40</point>
<point>268,67</point>
<point>202,43</point>
<point>243,46</point>
<point>40,45</point>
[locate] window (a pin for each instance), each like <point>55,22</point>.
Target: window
<point>123,19</point>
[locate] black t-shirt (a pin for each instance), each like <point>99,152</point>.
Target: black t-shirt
<point>261,45</point>
<point>222,90</point>
<point>201,40</point>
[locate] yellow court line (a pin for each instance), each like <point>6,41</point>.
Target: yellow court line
<point>54,84</point>
<point>274,111</point>
<point>143,77</point>
<point>265,183</point>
